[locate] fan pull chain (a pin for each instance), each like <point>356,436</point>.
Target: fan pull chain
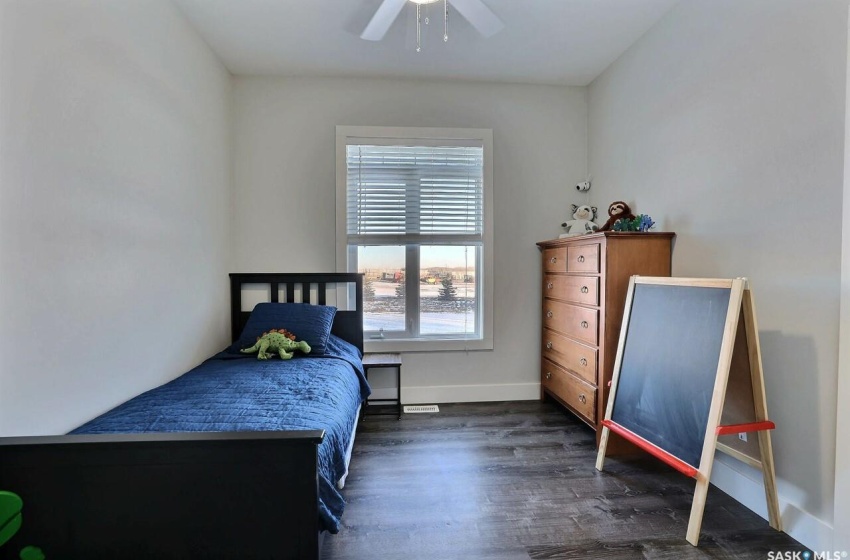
<point>445,21</point>
<point>418,28</point>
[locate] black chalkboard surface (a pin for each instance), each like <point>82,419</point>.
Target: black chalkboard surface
<point>669,366</point>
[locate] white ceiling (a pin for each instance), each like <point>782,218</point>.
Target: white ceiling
<point>565,42</point>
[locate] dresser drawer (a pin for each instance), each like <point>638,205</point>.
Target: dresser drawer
<point>570,389</point>
<point>583,258</point>
<point>576,357</point>
<point>555,260</point>
<point>572,320</point>
<point>580,289</point>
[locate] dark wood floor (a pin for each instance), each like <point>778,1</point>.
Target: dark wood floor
<point>516,481</point>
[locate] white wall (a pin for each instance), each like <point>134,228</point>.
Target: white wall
<point>842,438</point>
<point>725,122</point>
<point>114,194</point>
<point>284,184</point>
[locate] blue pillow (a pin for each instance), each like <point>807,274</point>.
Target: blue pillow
<point>311,323</point>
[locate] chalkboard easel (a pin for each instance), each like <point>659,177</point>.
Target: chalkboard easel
<point>688,382</point>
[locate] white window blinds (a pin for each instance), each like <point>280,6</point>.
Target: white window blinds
<point>414,195</point>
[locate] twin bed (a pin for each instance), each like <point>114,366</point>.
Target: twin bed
<point>238,458</point>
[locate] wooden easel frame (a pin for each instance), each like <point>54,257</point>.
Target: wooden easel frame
<point>740,362</point>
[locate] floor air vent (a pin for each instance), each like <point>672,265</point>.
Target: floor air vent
<point>408,409</point>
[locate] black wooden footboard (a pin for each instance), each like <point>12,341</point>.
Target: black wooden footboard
<point>198,495</point>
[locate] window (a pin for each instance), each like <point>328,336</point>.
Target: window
<point>414,215</point>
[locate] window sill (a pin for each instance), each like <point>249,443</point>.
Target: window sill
<point>425,345</point>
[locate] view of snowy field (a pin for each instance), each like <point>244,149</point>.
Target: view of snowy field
<point>386,310</point>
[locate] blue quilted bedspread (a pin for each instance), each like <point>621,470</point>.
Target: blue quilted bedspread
<point>237,392</point>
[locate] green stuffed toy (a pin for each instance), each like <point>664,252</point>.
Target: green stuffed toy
<point>10,521</point>
<point>281,342</point>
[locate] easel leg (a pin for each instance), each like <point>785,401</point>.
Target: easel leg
<point>760,404</point>
<point>603,446</point>
<point>697,509</point>
<point>769,475</point>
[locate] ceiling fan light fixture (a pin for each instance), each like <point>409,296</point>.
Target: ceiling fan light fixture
<point>476,13</point>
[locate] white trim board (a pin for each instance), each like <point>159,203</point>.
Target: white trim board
<point>464,393</point>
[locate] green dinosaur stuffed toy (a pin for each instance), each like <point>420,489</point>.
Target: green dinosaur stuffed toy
<point>280,342</point>
<point>10,521</point>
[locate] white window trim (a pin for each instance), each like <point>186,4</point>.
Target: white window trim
<point>387,134</point>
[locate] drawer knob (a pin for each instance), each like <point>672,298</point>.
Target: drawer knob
<point>581,258</point>
<point>549,314</point>
<point>584,324</point>
<point>584,289</point>
<point>583,361</point>
<point>550,285</point>
<point>553,260</point>
<point>548,375</point>
<point>582,399</point>
<point>549,345</point>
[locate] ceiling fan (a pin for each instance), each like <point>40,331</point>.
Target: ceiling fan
<point>475,11</point>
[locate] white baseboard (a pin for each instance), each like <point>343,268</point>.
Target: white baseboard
<point>801,525</point>
<point>462,393</point>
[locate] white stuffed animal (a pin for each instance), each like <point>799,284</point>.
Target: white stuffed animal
<point>582,221</point>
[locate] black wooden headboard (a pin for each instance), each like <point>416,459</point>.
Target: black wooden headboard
<point>348,323</point>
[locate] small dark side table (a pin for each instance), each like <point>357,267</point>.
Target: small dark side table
<point>392,361</point>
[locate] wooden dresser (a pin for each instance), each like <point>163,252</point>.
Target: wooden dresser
<point>585,280</point>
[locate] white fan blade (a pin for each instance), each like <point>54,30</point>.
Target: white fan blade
<point>382,20</point>
<point>479,15</point>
